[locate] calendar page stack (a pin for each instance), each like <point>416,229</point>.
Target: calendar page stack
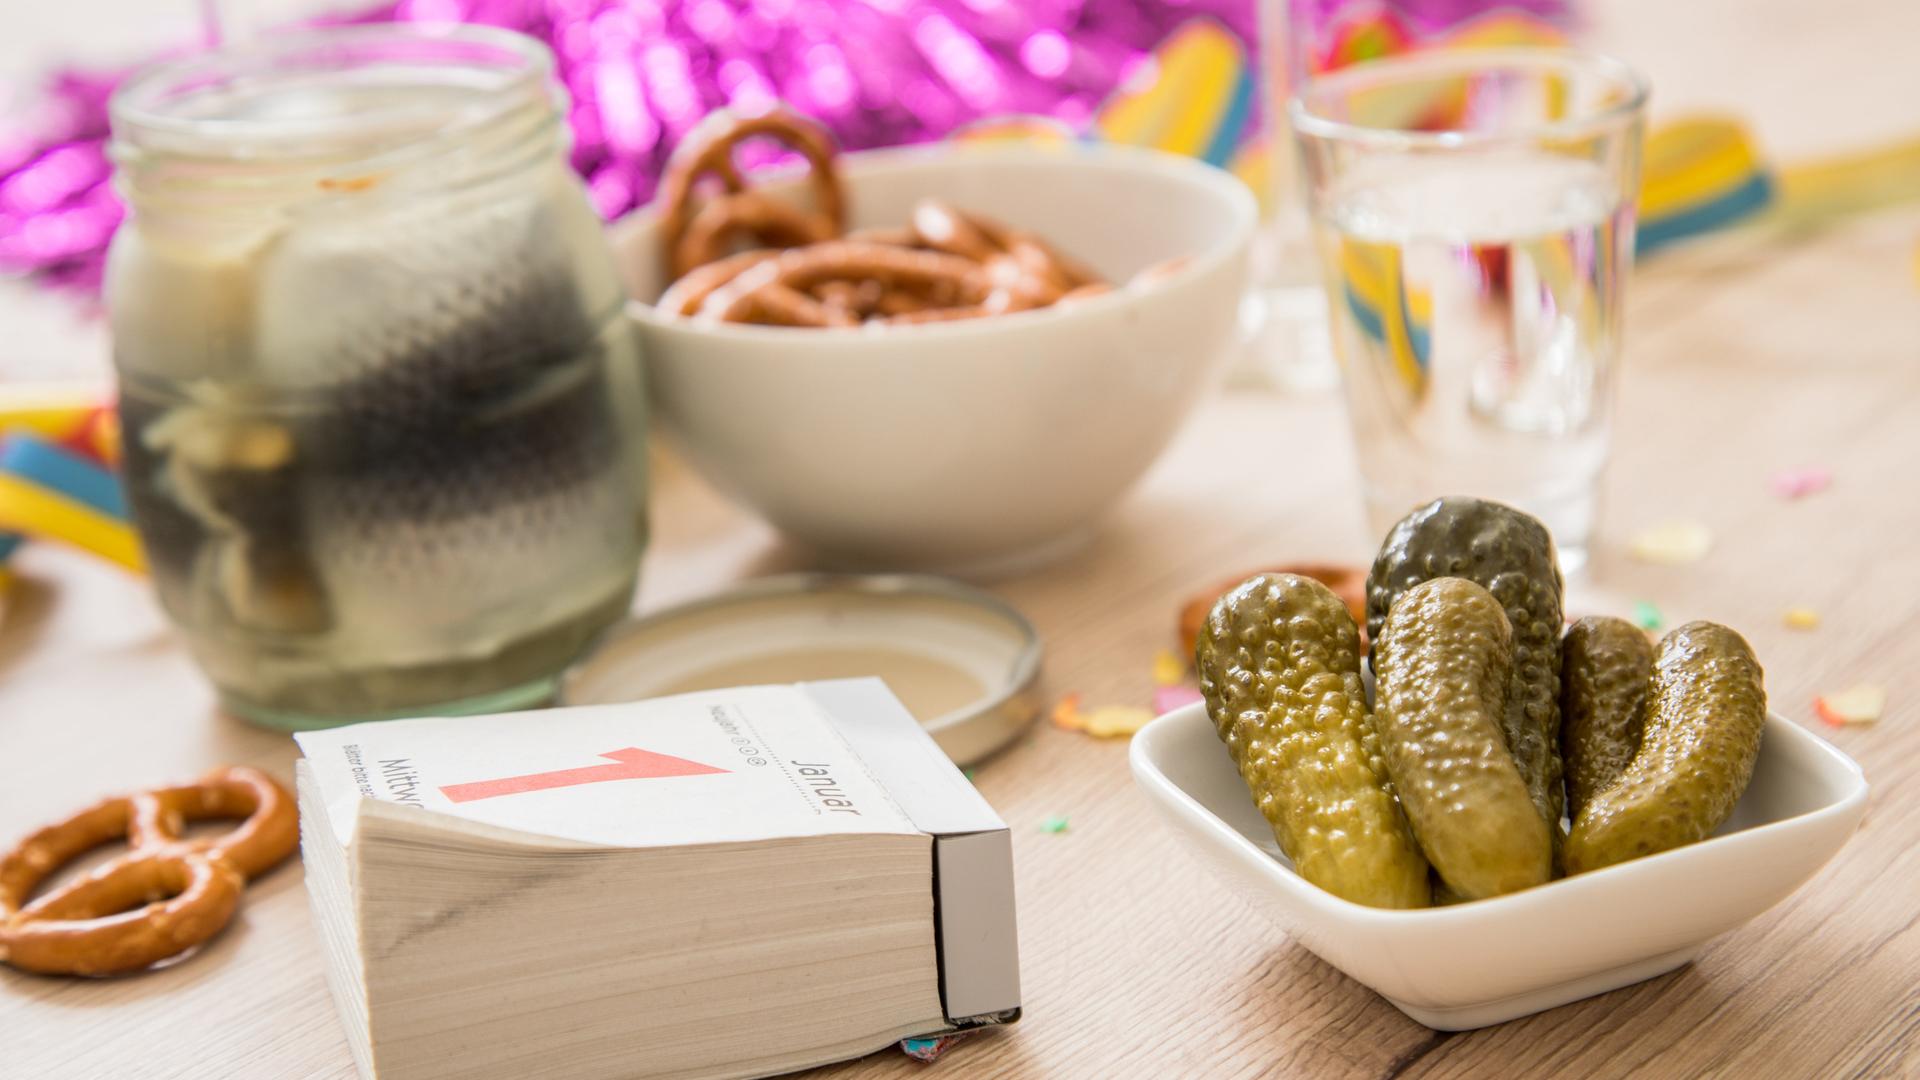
<point>731,883</point>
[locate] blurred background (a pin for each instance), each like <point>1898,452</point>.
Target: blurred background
<point>1197,76</point>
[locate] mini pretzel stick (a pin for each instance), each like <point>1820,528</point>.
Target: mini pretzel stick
<point>840,295</point>
<point>938,276</point>
<point>980,233</point>
<point>775,304</point>
<point>758,296</point>
<point>943,228</point>
<point>747,214</point>
<point>942,280</point>
<point>707,150</point>
<point>684,296</point>
<point>1001,301</point>
<point>1018,261</point>
<point>1009,273</point>
<point>892,235</point>
<point>1041,259</point>
<point>1043,266</point>
<point>734,293</point>
<point>857,298</point>
<point>901,303</point>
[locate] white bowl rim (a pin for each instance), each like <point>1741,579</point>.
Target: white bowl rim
<point>1108,156</point>
<point>1148,774</point>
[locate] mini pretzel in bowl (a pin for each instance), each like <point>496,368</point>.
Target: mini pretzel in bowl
<point>708,151</point>
<point>915,426</point>
<point>744,256</point>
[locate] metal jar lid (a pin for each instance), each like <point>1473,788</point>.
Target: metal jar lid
<point>963,661</point>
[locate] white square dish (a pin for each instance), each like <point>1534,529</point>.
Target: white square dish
<point>1471,965</point>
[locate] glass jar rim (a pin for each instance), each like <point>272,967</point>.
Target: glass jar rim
<point>1442,63</point>
<point>148,109</point>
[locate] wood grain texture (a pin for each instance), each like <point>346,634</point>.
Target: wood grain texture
<point>1136,963</point>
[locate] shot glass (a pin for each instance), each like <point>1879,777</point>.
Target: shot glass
<point>1473,211</point>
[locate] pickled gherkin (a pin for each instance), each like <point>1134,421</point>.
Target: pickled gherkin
<point>1605,666</point>
<point>1703,717</point>
<point>1444,665</point>
<point>1279,667</point>
<point>1510,555</point>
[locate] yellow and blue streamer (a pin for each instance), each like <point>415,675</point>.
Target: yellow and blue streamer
<point>57,449</point>
<point>47,491</point>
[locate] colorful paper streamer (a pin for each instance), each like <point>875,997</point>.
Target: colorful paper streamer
<point>48,491</point>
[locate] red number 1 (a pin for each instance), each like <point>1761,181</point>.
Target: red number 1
<point>632,764</point>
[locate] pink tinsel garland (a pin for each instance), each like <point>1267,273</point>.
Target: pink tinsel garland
<point>641,72</point>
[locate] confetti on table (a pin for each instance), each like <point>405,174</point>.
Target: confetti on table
<point>1168,698</point>
<point>1800,618</point>
<point>1860,704</point>
<point>1110,721</point>
<point>1673,543</point>
<point>1800,482</point>
<point>969,773</point>
<point>1066,714</point>
<point>1054,823</point>
<point>930,1049</point>
<point>1168,670</point>
<point>1646,616</point>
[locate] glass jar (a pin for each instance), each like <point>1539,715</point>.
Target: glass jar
<point>382,413</point>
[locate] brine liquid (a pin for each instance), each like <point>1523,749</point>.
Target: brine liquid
<point>323,575</point>
<point>1475,308</point>
<point>384,464</point>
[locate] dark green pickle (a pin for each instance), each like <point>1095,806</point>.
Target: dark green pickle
<point>1279,664</point>
<point>1706,708</point>
<point>1605,666</point>
<point>1510,554</point>
<point>1443,669</point>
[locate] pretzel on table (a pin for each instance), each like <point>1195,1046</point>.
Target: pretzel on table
<point>164,896</point>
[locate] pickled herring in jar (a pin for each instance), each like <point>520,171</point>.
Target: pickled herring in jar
<point>382,415</point>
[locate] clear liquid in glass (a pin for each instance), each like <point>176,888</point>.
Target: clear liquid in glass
<point>1476,313</point>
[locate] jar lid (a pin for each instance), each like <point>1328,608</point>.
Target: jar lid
<point>963,661</point>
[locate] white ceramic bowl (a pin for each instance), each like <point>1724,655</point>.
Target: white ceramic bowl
<point>968,447</point>
<point>1470,965</point>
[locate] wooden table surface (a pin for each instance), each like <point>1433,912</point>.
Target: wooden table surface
<point>1135,962</point>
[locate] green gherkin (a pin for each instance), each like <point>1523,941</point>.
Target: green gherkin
<point>1443,663</point>
<point>1704,714</point>
<point>1510,554</point>
<point>1279,667</point>
<point>1605,666</point>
